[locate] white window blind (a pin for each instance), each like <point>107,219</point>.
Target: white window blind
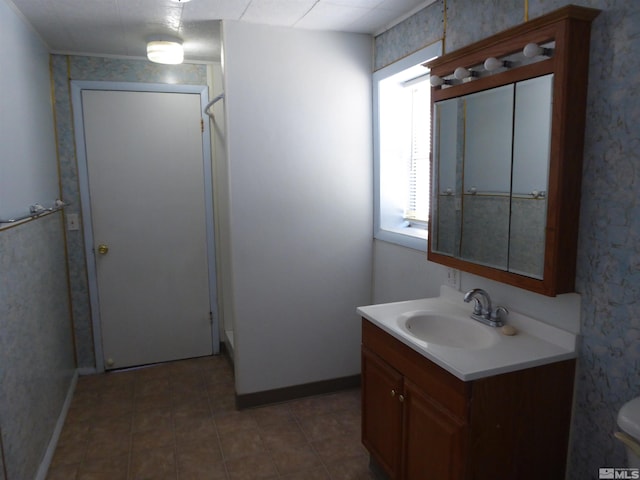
<point>418,175</point>
<point>402,137</point>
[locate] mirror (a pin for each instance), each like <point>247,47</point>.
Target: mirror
<point>508,132</point>
<point>491,164</point>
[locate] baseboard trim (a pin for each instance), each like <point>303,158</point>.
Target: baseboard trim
<point>294,392</point>
<point>43,469</point>
<point>82,371</point>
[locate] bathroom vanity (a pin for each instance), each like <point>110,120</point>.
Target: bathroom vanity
<point>498,410</point>
<point>445,397</point>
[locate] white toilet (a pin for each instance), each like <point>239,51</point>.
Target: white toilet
<point>629,423</point>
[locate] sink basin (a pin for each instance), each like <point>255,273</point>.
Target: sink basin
<point>447,330</point>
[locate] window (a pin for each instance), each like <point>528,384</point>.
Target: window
<point>402,134</point>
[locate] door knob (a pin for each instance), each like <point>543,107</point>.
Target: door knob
<point>103,249</point>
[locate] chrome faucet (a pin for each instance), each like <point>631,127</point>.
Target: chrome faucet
<point>482,309</point>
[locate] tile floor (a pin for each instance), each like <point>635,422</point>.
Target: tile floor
<point>178,421</point>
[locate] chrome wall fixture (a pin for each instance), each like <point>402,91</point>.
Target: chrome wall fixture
<point>37,210</point>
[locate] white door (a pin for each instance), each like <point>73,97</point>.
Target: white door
<point>145,173</point>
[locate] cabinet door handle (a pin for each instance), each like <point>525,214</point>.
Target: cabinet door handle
<point>401,398</point>
<point>393,393</point>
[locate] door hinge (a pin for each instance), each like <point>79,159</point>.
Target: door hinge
<point>201,125</point>
<point>211,318</point>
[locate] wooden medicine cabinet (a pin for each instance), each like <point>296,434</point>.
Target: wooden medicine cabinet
<point>508,131</point>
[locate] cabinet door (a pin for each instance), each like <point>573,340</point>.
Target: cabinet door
<point>434,439</point>
<point>382,412</point>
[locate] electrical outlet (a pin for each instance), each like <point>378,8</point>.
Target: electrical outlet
<point>73,222</point>
<point>453,278</point>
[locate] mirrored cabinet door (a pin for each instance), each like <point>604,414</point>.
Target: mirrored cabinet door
<point>491,165</point>
<point>447,177</point>
<point>488,127</point>
<point>531,144</point>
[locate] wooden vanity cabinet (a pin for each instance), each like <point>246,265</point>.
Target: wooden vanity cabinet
<point>419,422</point>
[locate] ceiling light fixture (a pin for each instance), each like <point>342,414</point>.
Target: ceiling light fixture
<point>166,50</point>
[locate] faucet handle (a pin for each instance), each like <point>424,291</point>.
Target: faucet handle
<point>499,313</point>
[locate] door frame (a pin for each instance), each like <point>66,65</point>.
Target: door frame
<point>77,87</point>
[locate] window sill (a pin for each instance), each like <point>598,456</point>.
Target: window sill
<point>410,237</point>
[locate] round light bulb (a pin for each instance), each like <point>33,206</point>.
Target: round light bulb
<point>531,50</point>
<point>461,73</point>
<point>436,81</point>
<point>492,63</point>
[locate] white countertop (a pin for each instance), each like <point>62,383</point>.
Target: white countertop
<point>536,342</point>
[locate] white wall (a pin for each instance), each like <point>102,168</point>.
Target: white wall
<point>28,171</point>
<point>401,273</point>
<point>220,173</point>
<point>298,109</point>
<point>36,346</point>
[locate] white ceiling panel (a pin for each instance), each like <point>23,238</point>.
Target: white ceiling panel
<point>373,21</point>
<point>215,9</point>
<point>277,12</point>
<point>331,16</point>
<point>369,4</point>
<point>122,27</point>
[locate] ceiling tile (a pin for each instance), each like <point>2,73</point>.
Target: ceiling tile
<point>369,4</point>
<point>214,9</point>
<point>373,21</point>
<point>329,16</point>
<point>122,27</point>
<point>277,12</point>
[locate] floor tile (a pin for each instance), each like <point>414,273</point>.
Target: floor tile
<point>110,468</point>
<point>272,414</point>
<point>313,474</point>
<point>74,432</point>
<point>159,464</point>
<point>196,430</point>
<point>285,434</point>
<point>151,419</point>
<point>320,427</point>
<point>152,400</point>
<point>241,443</point>
<point>235,421</point>
<point>200,471</point>
<point>252,467</point>
<point>108,444</point>
<point>178,421</point>
<point>150,439</point>
<point>335,449</point>
<point>70,453</point>
<point>295,458</point>
<point>200,461</point>
<point>63,472</point>
<point>351,469</point>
